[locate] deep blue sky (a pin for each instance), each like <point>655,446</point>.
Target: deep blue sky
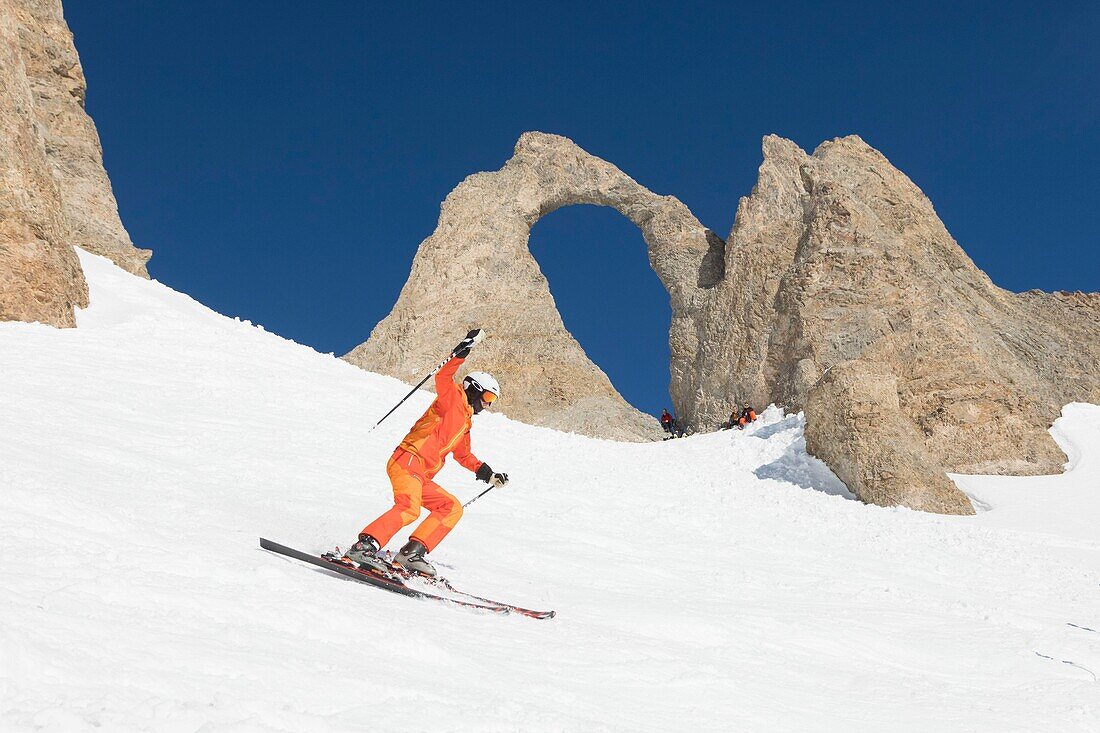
<point>283,160</point>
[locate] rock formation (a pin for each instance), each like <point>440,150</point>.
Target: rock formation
<point>40,278</point>
<point>847,297</point>
<point>476,270</point>
<point>54,192</point>
<point>855,424</point>
<point>839,256</point>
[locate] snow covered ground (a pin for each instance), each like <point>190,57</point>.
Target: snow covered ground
<point>719,582</point>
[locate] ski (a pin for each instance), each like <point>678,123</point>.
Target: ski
<point>395,584</point>
<point>398,573</point>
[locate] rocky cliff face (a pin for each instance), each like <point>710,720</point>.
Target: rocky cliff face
<point>54,192</point>
<point>837,277</point>
<point>476,270</point>
<point>839,256</point>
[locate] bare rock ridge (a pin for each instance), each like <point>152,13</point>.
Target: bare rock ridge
<point>54,191</point>
<point>477,269</point>
<point>839,291</point>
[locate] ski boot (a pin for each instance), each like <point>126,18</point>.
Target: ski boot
<point>364,553</point>
<point>411,558</point>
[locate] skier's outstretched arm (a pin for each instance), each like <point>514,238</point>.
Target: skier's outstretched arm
<point>445,388</point>
<point>449,393</point>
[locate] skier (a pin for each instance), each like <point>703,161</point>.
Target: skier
<point>667,421</point>
<point>443,429</point>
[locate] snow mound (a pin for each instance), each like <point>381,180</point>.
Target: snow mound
<point>717,582</point>
<point>1067,504</point>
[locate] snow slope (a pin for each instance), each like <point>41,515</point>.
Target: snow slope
<point>719,582</point>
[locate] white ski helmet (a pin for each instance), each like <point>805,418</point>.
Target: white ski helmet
<point>483,382</point>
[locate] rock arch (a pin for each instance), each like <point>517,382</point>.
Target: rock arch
<point>476,269</point>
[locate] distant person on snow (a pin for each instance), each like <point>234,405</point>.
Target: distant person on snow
<point>747,416</point>
<point>443,429</point>
<point>667,421</point>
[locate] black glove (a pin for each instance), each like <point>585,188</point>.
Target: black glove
<point>496,480</point>
<point>463,349</point>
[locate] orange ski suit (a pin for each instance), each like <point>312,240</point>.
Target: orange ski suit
<point>444,429</point>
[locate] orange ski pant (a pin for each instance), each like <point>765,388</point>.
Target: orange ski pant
<point>412,489</point>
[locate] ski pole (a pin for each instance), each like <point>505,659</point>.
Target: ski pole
<point>483,493</point>
<point>413,390</point>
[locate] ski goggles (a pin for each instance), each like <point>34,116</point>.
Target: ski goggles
<point>487,397</point>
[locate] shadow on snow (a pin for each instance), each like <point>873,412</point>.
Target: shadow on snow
<point>796,465</point>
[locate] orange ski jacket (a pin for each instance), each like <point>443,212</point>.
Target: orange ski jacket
<point>445,427</point>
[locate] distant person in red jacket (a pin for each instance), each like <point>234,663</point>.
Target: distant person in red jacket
<point>747,416</point>
<point>667,421</point>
